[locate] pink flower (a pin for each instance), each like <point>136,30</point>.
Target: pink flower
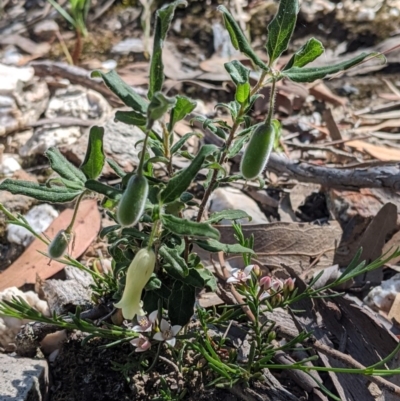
<point>240,276</point>
<point>167,333</point>
<point>145,323</point>
<point>266,282</point>
<point>141,343</point>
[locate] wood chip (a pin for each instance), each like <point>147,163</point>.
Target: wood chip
<point>32,263</point>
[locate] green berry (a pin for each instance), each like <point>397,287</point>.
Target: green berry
<point>257,152</point>
<point>133,201</point>
<point>59,244</point>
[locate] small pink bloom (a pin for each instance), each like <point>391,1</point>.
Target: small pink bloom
<point>141,343</point>
<point>240,276</point>
<point>167,333</point>
<point>266,282</point>
<point>145,323</point>
<point>288,285</point>
<point>277,285</point>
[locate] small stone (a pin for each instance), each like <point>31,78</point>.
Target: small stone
<point>23,379</point>
<point>127,46</point>
<point>9,165</point>
<point>46,30</point>
<point>109,64</point>
<point>12,76</point>
<point>39,217</point>
<point>228,198</point>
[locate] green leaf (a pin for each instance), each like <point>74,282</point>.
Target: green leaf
<point>209,124</point>
<point>180,182</point>
<point>182,108</point>
<point>178,145</point>
<point>216,246</point>
<point>281,28</point>
<point>228,215</point>
<point>63,167</point>
<point>310,51</point>
<point>116,167</point>
<point>100,188</point>
<point>40,192</point>
<point>311,74</point>
<point>203,277</point>
<point>190,228</point>
<point>181,303</point>
<point>238,72</point>
<point>175,261</point>
<point>122,90</point>
<point>163,20</point>
<point>158,106</point>
<point>93,164</point>
<point>243,93</point>
<point>238,38</point>
<point>131,118</point>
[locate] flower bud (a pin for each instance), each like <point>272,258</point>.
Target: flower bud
<point>288,286</point>
<point>277,285</point>
<point>139,273</point>
<point>257,271</point>
<point>266,282</point>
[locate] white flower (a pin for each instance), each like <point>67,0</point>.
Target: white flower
<point>167,333</point>
<point>139,273</point>
<point>240,276</point>
<point>145,323</point>
<point>141,343</point>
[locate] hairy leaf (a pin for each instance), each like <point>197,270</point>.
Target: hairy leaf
<point>93,163</point>
<point>163,20</point>
<point>238,72</point>
<point>228,215</point>
<point>63,167</point>
<point>216,246</point>
<point>131,118</point>
<point>310,51</point>
<point>176,262</point>
<point>180,182</point>
<point>190,228</point>
<point>182,108</point>
<point>178,145</point>
<point>100,188</point>
<point>238,38</point>
<point>122,90</point>
<point>311,74</point>
<point>281,28</point>
<point>40,192</point>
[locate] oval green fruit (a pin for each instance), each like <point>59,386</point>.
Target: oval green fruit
<point>133,201</point>
<point>59,244</point>
<point>257,152</point>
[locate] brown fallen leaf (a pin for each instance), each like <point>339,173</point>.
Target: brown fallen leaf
<point>378,152</point>
<point>321,92</point>
<point>32,263</point>
<point>295,244</point>
<point>373,240</point>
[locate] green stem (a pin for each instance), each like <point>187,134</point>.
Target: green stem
<point>142,156</point>
<point>271,103</point>
<point>228,143</point>
<point>153,234</point>
<point>71,224</point>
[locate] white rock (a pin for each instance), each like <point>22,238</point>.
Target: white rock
<point>39,217</point>
<point>77,101</point>
<point>109,64</point>
<point>127,46</point>
<point>382,296</point>
<point>12,76</point>
<point>9,326</point>
<point>231,198</point>
<point>44,137</point>
<point>9,165</point>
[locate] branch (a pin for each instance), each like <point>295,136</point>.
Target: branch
<point>352,178</point>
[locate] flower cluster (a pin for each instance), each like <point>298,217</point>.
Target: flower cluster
<point>271,288</point>
<point>162,331</point>
<point>276,290</point>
